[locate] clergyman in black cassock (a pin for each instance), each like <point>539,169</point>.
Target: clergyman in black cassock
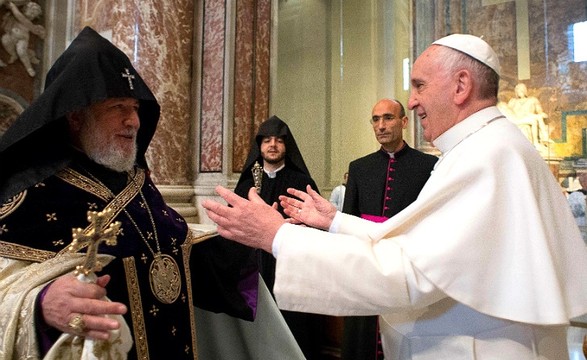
<point>380,185</point>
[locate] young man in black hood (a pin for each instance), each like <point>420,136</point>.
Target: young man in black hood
<point>274,164</point>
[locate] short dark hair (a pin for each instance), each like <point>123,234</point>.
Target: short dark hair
<point>402,110</point>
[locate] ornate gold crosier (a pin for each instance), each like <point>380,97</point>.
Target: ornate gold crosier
<point>97,232</point>
<point>257,171</point>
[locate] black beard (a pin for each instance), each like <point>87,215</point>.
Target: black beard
<point>274,161</point>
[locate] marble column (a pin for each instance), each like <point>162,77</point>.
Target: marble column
<point>233,99</point>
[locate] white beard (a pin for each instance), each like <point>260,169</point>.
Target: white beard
<point>99,149</point>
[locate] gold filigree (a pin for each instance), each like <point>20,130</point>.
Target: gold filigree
<point>136,308</point>
<point>165,278</point>
<point>12,204</point>
<point>257,171</point>
<point>21,252</point>
<point>186,251</point>
<point>116,204</point>
<point>99,230</point>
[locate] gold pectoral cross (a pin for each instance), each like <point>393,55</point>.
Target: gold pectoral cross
<point>97,232</point>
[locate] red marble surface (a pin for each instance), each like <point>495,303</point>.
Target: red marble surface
<point>251,79</point>
<point>213,57</point>
<point>244,83</point>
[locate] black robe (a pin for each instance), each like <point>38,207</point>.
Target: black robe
<point>305,327</point>
<point>41,219</point>
<point>380,187</point>
<point>271,189</point>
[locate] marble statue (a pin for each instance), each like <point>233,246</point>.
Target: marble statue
<point>17,25</point>
<point>526,112</point>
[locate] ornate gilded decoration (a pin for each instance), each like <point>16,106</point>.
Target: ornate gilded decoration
<point>185,250</point>
<point>194,238</point>
<point>100,230</point>
<point>165,279</point>
<point>257,171</point>
<point>21,252</point>
<point>12,204</point>
<point>136,308</point>
<point>100,190</point>
<point>164,275</point>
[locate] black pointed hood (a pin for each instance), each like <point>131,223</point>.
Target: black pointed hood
<point>90,70</point>
<point>274,126</point>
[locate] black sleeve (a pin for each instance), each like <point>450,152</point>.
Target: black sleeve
<point>351,200</point>
<point>224,277</point>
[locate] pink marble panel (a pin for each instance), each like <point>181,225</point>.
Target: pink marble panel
<point>162,55</point>
<point>262,54</point>
<point>212,86</point>
<point>251,103</point>
<point>244,85</point>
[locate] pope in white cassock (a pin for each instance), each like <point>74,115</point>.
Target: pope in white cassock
<point>487,263</point>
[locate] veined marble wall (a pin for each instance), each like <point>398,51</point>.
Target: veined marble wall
<point>235,81</point>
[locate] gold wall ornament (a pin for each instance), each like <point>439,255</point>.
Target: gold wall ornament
<point>97,232</point>
<point>257,171</point>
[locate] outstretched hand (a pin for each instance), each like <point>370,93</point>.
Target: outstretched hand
<point>250,222</point>
<point>308,207</point>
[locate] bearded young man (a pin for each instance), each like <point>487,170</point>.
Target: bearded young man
<point>279,165</point>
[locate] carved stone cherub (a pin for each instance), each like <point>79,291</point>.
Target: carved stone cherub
<point>17,27</point>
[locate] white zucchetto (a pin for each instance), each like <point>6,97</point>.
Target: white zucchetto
<point>473,46</point>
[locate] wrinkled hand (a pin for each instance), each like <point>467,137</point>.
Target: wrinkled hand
<point>309,208</point>
<point>67,297</point>
<point>250,222</point>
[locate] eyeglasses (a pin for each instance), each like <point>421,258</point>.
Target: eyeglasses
<point>385,117</point>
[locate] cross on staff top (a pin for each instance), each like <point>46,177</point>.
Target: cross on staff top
<point>97,232</point>
<point>130,77</point>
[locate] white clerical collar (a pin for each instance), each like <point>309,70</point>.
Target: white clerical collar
<point>453,136</point>
<point>273,174</point>
<point>392,154</point>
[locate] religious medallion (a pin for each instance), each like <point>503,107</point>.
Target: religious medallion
<point>165,278</point>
